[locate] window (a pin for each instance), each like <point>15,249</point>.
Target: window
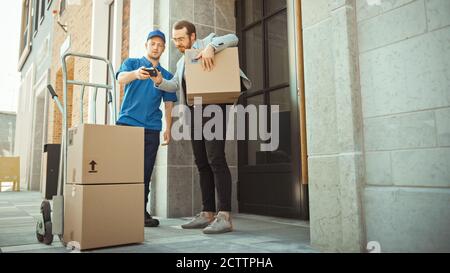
<point>42,14</point>
<point>25,30</point>
<point>62,7</point>
<point>37,4</point>
<point>264,51</point>
<point>49,3</point>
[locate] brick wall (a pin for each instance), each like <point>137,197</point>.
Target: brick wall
<point>125,38</point>
<point>79,19</point>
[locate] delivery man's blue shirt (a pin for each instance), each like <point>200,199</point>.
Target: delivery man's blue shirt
<point>142,99</point>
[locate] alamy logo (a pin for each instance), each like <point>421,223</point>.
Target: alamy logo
<point>263,123</point>
<point>73,247</point>
<point>373,247</point>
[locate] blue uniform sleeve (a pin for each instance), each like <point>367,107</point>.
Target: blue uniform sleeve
<point>127,66</point>
<point>168,96</point>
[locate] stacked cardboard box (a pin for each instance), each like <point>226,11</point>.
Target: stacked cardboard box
<point>104,194</point>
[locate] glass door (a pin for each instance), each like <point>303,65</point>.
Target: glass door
<point>268,181</point>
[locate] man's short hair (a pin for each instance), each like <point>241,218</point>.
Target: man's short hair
<point>190,27</point>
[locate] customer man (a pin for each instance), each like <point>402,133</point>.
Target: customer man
<point>141,105</point>
<point>209,154</point>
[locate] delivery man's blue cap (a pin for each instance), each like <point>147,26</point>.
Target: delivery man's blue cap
<point>156,33</point>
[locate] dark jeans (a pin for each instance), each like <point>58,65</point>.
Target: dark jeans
<point>151,145</point>
<point>213,169</point>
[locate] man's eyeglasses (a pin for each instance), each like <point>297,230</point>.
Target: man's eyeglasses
<point>179,40</point>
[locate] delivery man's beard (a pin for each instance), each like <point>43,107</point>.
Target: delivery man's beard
<point>156,59</point>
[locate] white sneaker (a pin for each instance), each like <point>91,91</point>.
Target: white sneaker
<point>199,221</point>
<point>221,224</point>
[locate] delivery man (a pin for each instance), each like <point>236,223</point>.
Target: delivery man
<point>141,104</point>
<point>209,154</point>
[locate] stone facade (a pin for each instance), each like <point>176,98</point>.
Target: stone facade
<point>334,125</point>
<point>378,70</point>
<point>405,88</point>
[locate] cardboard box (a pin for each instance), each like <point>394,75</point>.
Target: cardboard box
<point>104,154</point>
<point>97,216</point>
<point>221,85</point>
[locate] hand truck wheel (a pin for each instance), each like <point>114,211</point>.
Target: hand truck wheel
<point>46,211</point>
<point>48,236</point>
<point>39,226</point>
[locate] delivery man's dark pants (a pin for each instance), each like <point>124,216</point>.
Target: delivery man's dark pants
<point>151,145</point>
<point>213,168</point>
<point>151,149</point>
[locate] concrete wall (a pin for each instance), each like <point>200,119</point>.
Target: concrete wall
<point>7,133</point>
<point>378,97</point>
<point>405,85</point>
<point>175,190</point>
<point>334,125</point>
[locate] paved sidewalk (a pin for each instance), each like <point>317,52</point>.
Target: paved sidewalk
<point>253,234</point>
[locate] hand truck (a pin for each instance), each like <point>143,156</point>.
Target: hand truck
<point>47,226</point>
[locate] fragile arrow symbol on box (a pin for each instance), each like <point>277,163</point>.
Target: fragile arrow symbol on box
<point>93,164</point>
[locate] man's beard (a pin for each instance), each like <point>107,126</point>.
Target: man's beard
<point>184,48</point>
<point>154,58</point>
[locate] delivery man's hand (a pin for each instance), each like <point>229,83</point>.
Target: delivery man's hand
<point>158,79</point>
<point>207,58</point>
<point>167,138</point>
<point>141,74</point>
